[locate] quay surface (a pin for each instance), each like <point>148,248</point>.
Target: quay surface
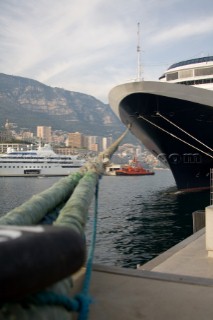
<point>178,284</point>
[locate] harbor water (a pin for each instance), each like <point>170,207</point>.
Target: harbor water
<point>139,217</point>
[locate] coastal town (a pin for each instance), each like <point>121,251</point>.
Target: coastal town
<point>71,143</point>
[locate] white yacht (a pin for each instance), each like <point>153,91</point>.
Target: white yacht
<point>41,162</point>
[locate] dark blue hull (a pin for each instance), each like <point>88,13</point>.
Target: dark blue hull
<point>177,131</point>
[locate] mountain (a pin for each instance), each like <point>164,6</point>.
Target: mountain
<point>29,104</point>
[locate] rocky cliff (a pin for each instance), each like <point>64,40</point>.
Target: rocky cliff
<point>29,103</point>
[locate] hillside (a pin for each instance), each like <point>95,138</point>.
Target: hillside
<point>29,103</point>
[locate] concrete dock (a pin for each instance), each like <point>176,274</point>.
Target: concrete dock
<point>176,285</point>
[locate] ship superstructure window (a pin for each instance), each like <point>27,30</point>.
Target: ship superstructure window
<point>189,73</point>
<point>172,76</point>
<point>204,71</point>
<point>195,82</point>
<point>186,73</point>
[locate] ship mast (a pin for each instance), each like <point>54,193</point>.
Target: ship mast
<point>139,71</point>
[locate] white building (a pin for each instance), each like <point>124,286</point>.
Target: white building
<point>106,142</point>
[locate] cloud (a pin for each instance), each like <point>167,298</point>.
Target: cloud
<point>184,30</point>
<point>65,37</point>
<point>82,45</point>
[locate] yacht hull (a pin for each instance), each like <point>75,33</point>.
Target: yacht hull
<point>23,170</point>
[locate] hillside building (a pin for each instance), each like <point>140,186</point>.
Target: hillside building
<point>75,140</point>
<point>93,143</point>
<point>44,133</point>
<point>106,142</point>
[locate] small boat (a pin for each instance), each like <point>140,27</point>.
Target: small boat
<point>111,169</point>
<point>133,169</point>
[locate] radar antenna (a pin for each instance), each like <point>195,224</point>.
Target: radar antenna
<point>139,71</point>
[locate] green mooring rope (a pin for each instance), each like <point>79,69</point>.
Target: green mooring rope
<point>82,186</point>
<point>33,211</point>
<point>81,302</point>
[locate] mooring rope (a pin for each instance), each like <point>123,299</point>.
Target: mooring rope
<point>81,302</point>
<point>73,213</point>
<point>86,284</point>
<point>184,131</point>
<point>174,136</point>
<point>34,210</point>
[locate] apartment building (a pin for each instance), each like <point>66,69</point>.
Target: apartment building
<point>44,133</point>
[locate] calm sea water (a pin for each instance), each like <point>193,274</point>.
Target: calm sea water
<point>139,217</point>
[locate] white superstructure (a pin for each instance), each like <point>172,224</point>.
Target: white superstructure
<point>195,72</point>
<point>41,162</point>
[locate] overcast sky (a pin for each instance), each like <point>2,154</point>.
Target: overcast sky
<point>89,46</point>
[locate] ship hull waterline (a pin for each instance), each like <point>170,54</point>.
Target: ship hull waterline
<point>175,123</point>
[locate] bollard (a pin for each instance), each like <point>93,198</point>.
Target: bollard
<point>198,218</point>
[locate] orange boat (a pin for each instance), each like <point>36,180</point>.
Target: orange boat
<point>133,169</point>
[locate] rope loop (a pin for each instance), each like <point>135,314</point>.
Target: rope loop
<point>52,298</point>
<point>79,303</point>
<point>64,196</point>
<point>83,302</point>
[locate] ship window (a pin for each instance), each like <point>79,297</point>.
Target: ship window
<point>172,76</point>
<point>204,71</point>
<point>194,82</point>
<point>186,73</point>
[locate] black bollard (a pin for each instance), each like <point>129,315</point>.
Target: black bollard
<point>32,258</point>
